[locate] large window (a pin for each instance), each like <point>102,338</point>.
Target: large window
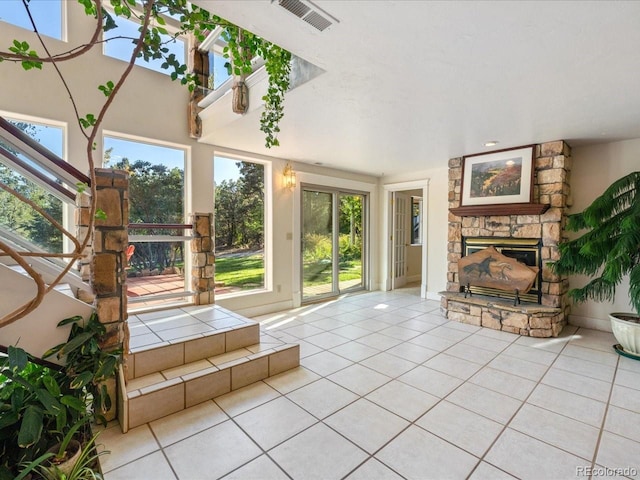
<point>156,270</point>
<point>121,48</point>
<point>18,216</point>
<point>47,15</point>
<point>239,225</point>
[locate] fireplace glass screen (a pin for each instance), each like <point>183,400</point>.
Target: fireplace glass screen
<point>525,250</point>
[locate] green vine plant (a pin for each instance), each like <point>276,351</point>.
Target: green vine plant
<point>151,43</point>
<point>241,48</point>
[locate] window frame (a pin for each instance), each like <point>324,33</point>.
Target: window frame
<point>68,211</point>
<point>268,219</point>
<point>187,194</point>
<point>63,21</point>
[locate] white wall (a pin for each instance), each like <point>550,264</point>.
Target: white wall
<point>435,229</point>
<point>595,167</point>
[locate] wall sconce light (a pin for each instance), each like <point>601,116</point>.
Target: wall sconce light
<point>289,177</point>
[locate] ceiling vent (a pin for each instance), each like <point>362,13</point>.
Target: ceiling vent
<point>310,13</point>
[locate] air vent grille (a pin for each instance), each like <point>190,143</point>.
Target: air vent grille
<point>308,12</point>
<point>296,7</point>
<point>318,21</point>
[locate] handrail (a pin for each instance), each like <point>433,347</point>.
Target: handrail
<point>48,160</point>
<point>51,266</point>
<point>38,177</point>
<point>160,226</point>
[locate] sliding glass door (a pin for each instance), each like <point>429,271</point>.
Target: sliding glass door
<point>333,242</point>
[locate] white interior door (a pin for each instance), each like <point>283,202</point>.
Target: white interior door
<point>399,240</point>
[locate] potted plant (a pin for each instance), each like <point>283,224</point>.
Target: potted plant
<point>80,467</point>
<point>607,252</point>
<point>87,364</point>
<point>65,454</point>
<point>35,406</point>
<point>42,404</point>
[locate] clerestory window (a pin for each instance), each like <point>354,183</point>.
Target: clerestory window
<point>120,46</point>
<point>47,15</point>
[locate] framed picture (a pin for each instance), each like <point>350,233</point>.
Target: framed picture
<point>504,176</point>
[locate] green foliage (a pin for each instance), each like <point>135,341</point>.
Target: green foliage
<point>36,405</point>
<point>23,49</point>
<point>88,121</point>
<point>107,89</point>
<point>87,365</point>
<point>20,217</point>
<point>610,249</point>
<point>242,47</point>
<point>317,248</point>
<point>83,469</point>
<point>239,219</point>
<point>155,196</point>
<point>278,66</point>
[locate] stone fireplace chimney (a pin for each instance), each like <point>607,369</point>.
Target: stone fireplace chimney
<point>542,219</point>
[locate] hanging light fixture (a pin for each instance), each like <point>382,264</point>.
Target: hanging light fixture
<point>289,177</point>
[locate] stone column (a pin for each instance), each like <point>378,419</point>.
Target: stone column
<point>203,259</point>
<point>454,235</point>
<point>83,204</point>
<point>108,265</point>
<point>553,169</point>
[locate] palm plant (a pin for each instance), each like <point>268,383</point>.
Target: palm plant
<point>610,249</point>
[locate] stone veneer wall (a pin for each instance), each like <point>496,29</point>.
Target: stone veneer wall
<point>203,264</point>
<point>109,262</point>
<point>552,166</point>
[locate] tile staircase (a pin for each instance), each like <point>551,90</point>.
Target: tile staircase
<point>165,378</point>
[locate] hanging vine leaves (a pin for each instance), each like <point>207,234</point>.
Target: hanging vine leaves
<point>151,43</point>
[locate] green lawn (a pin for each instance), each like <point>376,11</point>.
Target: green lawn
<point>242,272</point>
<point>248,272</point>
<point>319,273</point>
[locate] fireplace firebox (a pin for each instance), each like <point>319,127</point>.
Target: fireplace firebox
<point>525,250</point>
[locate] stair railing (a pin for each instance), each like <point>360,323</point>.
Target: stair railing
<point>23,154</point>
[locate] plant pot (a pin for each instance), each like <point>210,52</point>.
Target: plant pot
<point>626,329</point>
<point>65,465</point>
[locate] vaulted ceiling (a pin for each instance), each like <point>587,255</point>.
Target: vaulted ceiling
<point>412,83</point>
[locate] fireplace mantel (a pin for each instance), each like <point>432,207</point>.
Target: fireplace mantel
<point>500,209</point>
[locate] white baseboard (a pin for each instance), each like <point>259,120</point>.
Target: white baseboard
<point>433,296</point>
<point>264,309</point>
<point>590,322</point>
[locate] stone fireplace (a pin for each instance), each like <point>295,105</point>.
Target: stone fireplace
<point>543,312</point>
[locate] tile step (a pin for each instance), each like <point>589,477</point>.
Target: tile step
<point>168,391</point>
<point>159,357</point>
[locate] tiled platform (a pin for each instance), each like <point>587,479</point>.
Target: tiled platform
<point>210,351</point>
<point>387,388</point>
<point>157,328</point>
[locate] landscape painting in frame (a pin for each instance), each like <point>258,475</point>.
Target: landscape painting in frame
<point>498,177</point>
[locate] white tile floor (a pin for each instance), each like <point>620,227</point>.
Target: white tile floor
<point>387,389</point>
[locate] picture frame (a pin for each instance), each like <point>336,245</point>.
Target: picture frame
<point>499,177</point>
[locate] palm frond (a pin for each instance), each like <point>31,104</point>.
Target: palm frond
<point>610,248</point>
